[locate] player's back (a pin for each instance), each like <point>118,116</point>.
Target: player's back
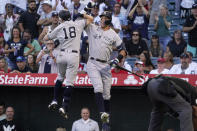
<point>69,34</point>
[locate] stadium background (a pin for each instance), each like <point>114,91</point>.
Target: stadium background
<point>130,108</point>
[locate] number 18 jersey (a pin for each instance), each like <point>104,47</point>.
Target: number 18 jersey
<point>69,34</point>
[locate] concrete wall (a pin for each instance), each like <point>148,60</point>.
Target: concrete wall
<point>130,108</point>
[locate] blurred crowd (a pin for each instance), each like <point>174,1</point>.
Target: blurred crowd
<point>159,35</point>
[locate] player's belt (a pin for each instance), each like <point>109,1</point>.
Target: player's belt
<point>73,51</point>
<point>99,60</point>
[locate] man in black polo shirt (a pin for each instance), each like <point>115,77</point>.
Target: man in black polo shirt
<point>29,18</point>
<point>190,26</point>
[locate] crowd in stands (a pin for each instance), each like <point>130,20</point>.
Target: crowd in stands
<point>158,35</point>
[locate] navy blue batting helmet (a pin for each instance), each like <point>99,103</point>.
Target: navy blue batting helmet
<point>65,15</point>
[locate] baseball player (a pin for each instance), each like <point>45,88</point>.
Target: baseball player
<point>101,41</point>
<point>68,34</point>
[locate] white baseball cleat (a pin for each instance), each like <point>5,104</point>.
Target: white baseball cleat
<point>105,117</point>
<point>63,113</point>
<point>53,105</point>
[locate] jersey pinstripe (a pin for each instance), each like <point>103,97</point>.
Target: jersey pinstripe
<point>69,34</point>
<point>101,42</point>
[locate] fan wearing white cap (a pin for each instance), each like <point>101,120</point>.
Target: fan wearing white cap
<point>45,18</point>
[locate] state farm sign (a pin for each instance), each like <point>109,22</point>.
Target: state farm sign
<point>18,80</point>
<point>47,80</point>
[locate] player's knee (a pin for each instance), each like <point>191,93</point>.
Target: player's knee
<point>70,83</point>
<point>98,90</point>
<point>60,78</point>
<point>106,96</point>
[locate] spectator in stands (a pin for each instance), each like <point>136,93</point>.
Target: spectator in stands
<point>160,67</point>
<point>162,26</point>
<point>169,60</point>
<point>190,26</point>
<point>139,17</point>
<point>28,20</point>
<point>31,63</point>
<point>136,45</point>
<point>2,44</point>
<point>155,47</point>
<point>4,66</point>
<point>104,6</point>
<point>95,14</point>
<point>145,58</point>
<point>154,9</point>
<point>124,33</point>
<point>21,66</point>
<point>85,123</point>
<point>47,59</point>
<point>2,111</point>
<point>192,63</point>
<point>45,18</point>
<point>184,67</point>
<point>75,8</point>
<point>139,68</point>
<point>116,24</point>
<point>186,6</point>
<point>48,29</point>
<point>27,37</point>
<point>60,128</point>
<point>60,4</point>
<point>177,45</point>
<point>8,21</point>
<point>9,123</point>
<point>15,47</point>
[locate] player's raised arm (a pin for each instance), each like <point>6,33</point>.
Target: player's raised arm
<point>89,18</point>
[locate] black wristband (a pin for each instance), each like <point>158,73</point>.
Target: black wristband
<point>81,15</point>
<point>120,57</point>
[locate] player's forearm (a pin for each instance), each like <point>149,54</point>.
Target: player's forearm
<point>89,18</point>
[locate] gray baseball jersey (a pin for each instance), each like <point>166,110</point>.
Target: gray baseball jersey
<point>100,47</point>
<point>101,42</point>
<point>69,34</point>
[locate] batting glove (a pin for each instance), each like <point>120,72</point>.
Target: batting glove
<point>114,62</point>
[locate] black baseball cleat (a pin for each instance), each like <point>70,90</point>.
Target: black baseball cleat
<point>53,105</point>
<point>63,113</point>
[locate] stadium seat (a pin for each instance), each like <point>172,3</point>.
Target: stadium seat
<point>131,61</point>
<point>176,60</point>
<point>150,33</point>
<point>154,61</point>
<point>151,27</point>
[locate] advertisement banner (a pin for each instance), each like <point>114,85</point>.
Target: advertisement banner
<point>82,80</point>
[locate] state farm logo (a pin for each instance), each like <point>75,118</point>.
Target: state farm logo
<point>130,80</point>
<point>85,80</point>
<point>21,80</point>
